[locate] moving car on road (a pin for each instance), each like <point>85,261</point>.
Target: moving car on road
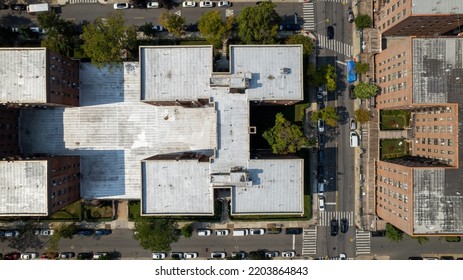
<point>330,32</point>
<point>344,225</point>
<point>334,227</point>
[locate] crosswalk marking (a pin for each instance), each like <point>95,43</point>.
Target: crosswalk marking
<point>337,1</point>
<point>362,242</point>
<point>83,1</point>
<point>334,45</point>
<point>309,16</point>
<point>333,258</point>
<point>309,241</point>
<point>325,217</point>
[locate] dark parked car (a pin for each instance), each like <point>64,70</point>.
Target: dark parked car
<point>415,258</point>
<point>321,156</point>
<point>446,258</point>
<point>321,140</point>
<point>12,256</point>
<point>85,232</point>
<point>103,231</point>
<point>378,233</point>
<point>67,255</point>
<point>351,91</point>
<point>334,227</point>
<point>330,32</point>
<point>350,15</point>
<point>293,231</point>
<point>320,172</point>
<point>191,28</point>
<point>18,7</point>
<point>290,27</point>
<point>85,256</point>
<point>344,225</point>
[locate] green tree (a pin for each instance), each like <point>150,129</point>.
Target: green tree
<point>452,238</point>
<point>259,24</point>
<point>365,90</point>
<point>285,137</point>
<point>316,77</point>
<point>62,35</point>
<point>213,29</point>
<point>65,230</point>
<point>362,68</point>
<point>362,21</point>
<point>330,77</point>
<point>173,22</point>
<point>147,29</point>
<point>307,43</point>
<point>107,42</point>
<point>155,234</point>
<point>328,114</point>
<point>393,233</point>
<point>362,116</point>
<point>187,230</point>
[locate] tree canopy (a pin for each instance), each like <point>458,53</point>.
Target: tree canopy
<point>328,114</point>
<point>365,90</point>
<point>62,36</point>
<point>284,137</point>
<point>330,77</point>
<point>173,22</point>
<point>155,234</point>
<point>393,233</point>
<point>362,116</point>
<point>259,24</point>
<point>315,77</point>
<point>213,29</point>
<point>362,68</point>
<point>187,230</point>
<point>362,21</point>
<point>307,43</point>
<point>107,42</point>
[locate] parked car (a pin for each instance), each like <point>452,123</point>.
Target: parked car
<point>353,124</point>
<point>334,227</point>
<point>11,233</point>
<point>224,4</point>
<point>67,255</point>
<point>153,5</point>
<point>12,256</point>
<point>46,232</point>
<point>415,258</point>
<point>342,256</point>
<point>176,255</point>
<point>222,232</point>
<point>344,225</point>
<point>190,255</point>
<point>85,232</point>
<point>321,203</point>
<point>257,231</point>
<point>38,30</point>
<point>271,254</point>
<point>288,254</point>
<point>321,140</point>
<point>353,139</point>
<point>321,156</point>
<point>121,6</point>
<point>29,256</point>
<point>320,94</point>
<point>159,256</point>
<point>218,255</point>
<point>206,4</point>
<point>320,172</point>
<point>290,27</point>
<point>446,258</point>
<point>100,255</point>
<point>241,255</point>
<point>330,32</point>
<point>321,125</point>
<point>350,15</point>
<point>351,91</point>
<point>158,28</point>
<point>204,232</point>
<point>378,233</point>
<point>188,4</point>
<point>103,231</point>
<point>274,230</point>
<point>18,7</point>
<point>85,256</point>
<point>293,231</point>
<point>191,27</point>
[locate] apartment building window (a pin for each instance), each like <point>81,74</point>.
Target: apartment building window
<point>449,142</point>
<point>450,152</point>
<point>404,12</point>
<point>388,11</point>
<point>449,128</point>
<point>393,8</point>
<point>442,142</point>
<point>388,22</point>
<point>384,25</point>
<point>398,3</point>
<point>392,19</point>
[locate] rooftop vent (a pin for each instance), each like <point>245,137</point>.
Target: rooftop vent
<point>285,70</point>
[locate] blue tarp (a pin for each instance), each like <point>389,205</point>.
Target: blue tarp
<point>351,76</point>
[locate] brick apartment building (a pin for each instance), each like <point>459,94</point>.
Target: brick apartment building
<point>418,17</point>
<point>35,184</point>
<point>420,193</point>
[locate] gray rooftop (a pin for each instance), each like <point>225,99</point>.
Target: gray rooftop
<point>23,188</point>
<point>27,75</point>
<point>277,188</point>
<point>172,187</point>
<point>437,69</point>
<point>113,131</point>
<point>437,7</point>
<point>435,211</point>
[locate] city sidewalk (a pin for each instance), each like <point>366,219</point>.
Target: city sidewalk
<point>110,2</point>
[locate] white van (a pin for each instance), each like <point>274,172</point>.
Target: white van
<point>321,188</point>
<point>321,203</point>
<point>240,232</point>
<point>354,139</point>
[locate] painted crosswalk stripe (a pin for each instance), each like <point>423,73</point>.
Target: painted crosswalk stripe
<point>83,1</point>
<point>309,16</point>
<point>337,46</point>
<point>362,242</point>
<point>325,217</point>
<point>309,241</point>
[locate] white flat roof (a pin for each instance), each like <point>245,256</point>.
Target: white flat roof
<point>23,188</point>
<point>277,188</point>
<point>173,187</point>
<point>23,75</point>
<point>175,72</point>
<point>276,70</point>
